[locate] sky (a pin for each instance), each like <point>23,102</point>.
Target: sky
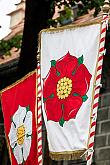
<point>6,6</point>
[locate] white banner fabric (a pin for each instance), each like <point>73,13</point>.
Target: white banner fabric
<point>68,67</point>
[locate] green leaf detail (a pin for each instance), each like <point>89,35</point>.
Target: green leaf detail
<point>11,118</point>
<point>27,108</point>
<point>27,135</point>
<point>51,96</point>
<point>58,73</point>
<point>44,99</point>
<point>53,63</point>
<point>75,94</point>
<point>22,156</point>
<point>14,147</point>
<point>61,122</point>
<point>62,106</point>
<point>13,121</point>
<point>85,97</point>
<point>73,73</point>
<point>23,161</point>
<point>80,60</point>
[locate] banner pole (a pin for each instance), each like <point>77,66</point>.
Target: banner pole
<point>97,81</point>
<point>39,112</point>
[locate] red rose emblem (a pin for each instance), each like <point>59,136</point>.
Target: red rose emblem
<point>65,88</point>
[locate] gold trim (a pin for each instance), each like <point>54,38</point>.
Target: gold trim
<point>7,141</point>
<point>18,81</point>
<point>67,155</point>
<point>69,27</point>
<point>9,149</point>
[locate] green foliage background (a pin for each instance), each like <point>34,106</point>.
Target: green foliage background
<point>5,46</point>
<point>86,4</point>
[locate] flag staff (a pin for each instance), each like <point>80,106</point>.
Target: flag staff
<point>41,156</point>
<point>97,86</point>
<point>39,112</point>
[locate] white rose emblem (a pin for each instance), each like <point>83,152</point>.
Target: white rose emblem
<point>20,135</point>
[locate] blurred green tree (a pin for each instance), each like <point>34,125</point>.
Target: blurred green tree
<point>37,14</point>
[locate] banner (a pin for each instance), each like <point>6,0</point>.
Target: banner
<point>68,69</point>
<point>20,118</point>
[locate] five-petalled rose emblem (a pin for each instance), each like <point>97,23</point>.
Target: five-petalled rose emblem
<point>20,135</point>
<point>65,88</point>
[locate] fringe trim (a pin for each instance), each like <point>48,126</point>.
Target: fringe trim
<point>9,149</point>
<point>68,27</point>
<point>67,155</point>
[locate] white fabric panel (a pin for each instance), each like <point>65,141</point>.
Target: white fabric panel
<point>78,41</point>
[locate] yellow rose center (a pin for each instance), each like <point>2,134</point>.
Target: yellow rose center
<point>20,134</point>
<point>64,87</point>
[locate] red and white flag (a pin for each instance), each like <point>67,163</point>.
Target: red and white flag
<point>68,68</point>
<point>20,120</point>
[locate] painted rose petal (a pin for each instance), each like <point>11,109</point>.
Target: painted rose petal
<point>71,107</point>
<point>81,80</point>
<point>67,64</point>
<point>50,82</point>
<point>53,109</point>
<point>73,78</point>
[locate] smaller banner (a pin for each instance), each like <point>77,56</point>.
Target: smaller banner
<point>20,112</point>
